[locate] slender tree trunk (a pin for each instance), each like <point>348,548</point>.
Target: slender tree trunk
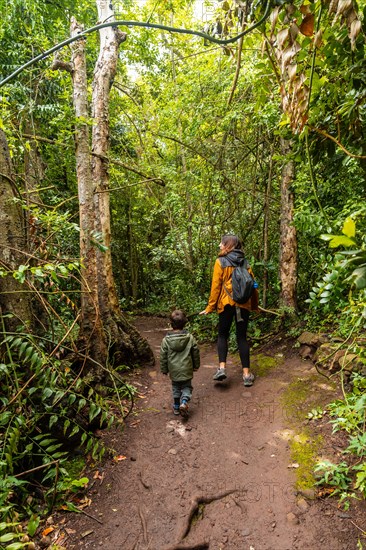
<point>104,330</point>
<point>133,259</point>
<point>33,176</point>
<point>104,73</point>
<point>187,248</point>
<point>288,238</point>
<point>14,296</point>
<point>91,336</point>
<point>127,345</point>
<point>33,168</point>
<point>266,230</point>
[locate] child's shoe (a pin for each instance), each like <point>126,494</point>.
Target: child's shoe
<point>248,380</point>
<point>176,407</point>
<point>183,409</point>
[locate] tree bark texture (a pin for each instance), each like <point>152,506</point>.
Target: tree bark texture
<point>104,73</point>
<point>91,336</point>
<point>288,237</point>
<point>128,346</point>
<point>266,241</point>
<point>33,167</point>
<point>14,296</point>
<point>104,330</point>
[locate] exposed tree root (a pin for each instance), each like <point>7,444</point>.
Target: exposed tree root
<point>144,526</point>
<point>200,499</point>
<point>144,484</point>
<point>199,546</point>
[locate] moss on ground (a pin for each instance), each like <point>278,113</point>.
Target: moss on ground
<point>75,466</point>
<point>299,398</point>
<point>304,450</point>
<point>262,364</point>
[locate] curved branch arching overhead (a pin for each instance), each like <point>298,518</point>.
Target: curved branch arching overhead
<point>82,34</point>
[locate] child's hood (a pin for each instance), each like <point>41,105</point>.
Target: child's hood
<point>178,341</point>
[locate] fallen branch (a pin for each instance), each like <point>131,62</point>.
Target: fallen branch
<point>270,311</point>
<point>89,515</point>
<point>359,528</point>
<point>37,468</point>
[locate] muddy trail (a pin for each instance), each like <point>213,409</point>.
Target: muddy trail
<point>223,479</point>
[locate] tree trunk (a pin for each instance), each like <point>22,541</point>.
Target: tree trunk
<point>104,73</point>
<point>288,238</point>
<point>266,240</point>
<point>14,296</point>
<point>91,335</point>
<point>33,167</point>
<point>127,344</point>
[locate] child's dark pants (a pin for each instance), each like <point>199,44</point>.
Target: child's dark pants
<point>182,390</point>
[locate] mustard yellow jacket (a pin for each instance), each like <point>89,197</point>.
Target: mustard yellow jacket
<point>219,298</point>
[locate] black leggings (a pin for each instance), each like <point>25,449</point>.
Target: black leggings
<point>225,320</point>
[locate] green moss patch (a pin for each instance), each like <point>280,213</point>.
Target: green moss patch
<point>304,449</point>
<point>304,394</point>
<point>262,364</point>
<point>299,398</point>
<point>75,466</point>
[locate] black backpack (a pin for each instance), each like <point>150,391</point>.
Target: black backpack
<point>242,283</point>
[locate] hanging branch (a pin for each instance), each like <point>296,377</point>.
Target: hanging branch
<point>237,71</point>
<point>313,57</point>
<point>325,134</point>
<point>312,176</point>
<point>159,181</point>
<point>82,34</point>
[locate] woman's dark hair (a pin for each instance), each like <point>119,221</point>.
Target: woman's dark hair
<point>178,320</point>
<point>230,242</point>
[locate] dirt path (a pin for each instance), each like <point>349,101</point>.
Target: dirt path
<point>229,463</point>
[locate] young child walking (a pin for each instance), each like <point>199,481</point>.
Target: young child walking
<point>180,357</point>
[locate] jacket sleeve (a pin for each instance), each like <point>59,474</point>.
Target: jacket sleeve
<point>216,287</point>
<point>195,353</point>
<point>164,357</point>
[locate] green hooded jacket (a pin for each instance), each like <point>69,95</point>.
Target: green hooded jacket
<point>179,355</point>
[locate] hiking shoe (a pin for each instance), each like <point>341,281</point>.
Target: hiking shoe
<point>176,410</point>
<point>248,380</point>
<point>220,374</point>
<point>183,409</point>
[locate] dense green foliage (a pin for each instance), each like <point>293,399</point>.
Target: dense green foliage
<point>194,153</point>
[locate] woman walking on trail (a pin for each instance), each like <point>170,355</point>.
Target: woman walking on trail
<point>220,299</point>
